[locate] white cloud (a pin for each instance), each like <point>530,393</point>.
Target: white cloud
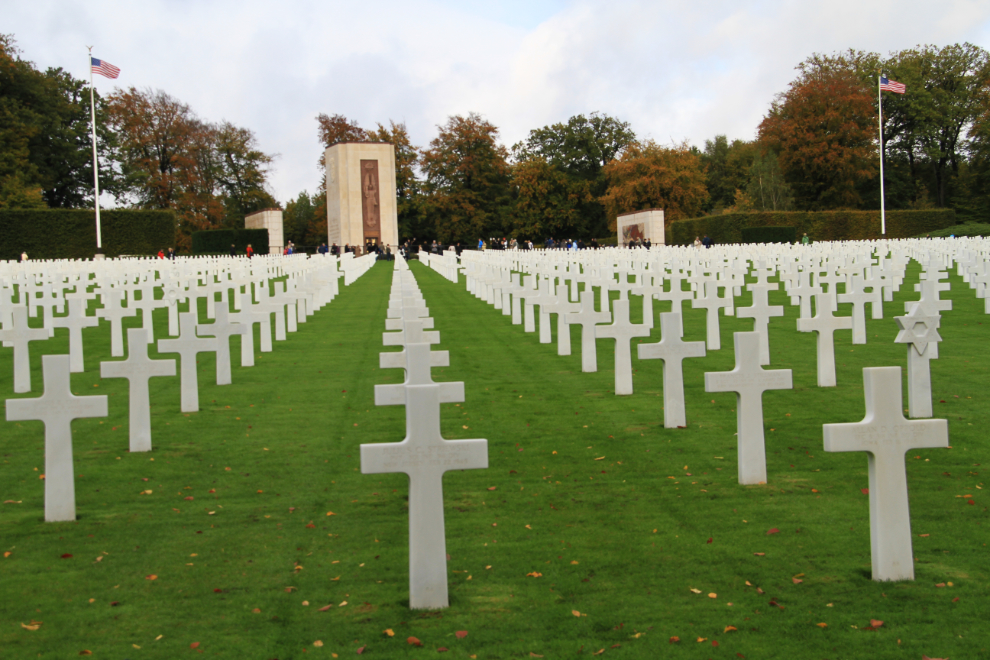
<point>674,70</point>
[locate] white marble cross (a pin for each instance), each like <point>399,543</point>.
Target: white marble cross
<point>711,302</point>
<point>588,318</point>
<point>749,381</point>
<point>563,309</point>
<point>222,328</point>
<point>138,369</point>
<point>18,336</point>
<point>75,322</point>
<point>622,331</point>
<point>886,435</point>
<point>858,297</point>
<point>57,407</point>
<point>825,324</point>
<point>920,332</point>
<point>188,345</point>
<point>424,456</point>
<point>676,295</point>
<point>114,311</point>
<point>672,350</point>
<point>761,311</point>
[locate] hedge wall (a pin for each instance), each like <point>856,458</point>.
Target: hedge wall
<point>71,233</point>
<point>768,234</point>
<point>820,226</point>
<point>217,241</point>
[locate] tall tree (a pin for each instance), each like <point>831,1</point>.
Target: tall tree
<point>467,180</point>
<point>45,135</point>
<point>548,202</point>
<point>648,175</point>
<point>823,130</point>
<point>581,148</point>
<point>726,169</point>
<point>211,174</point>
<point>767,190</point>
<point>929,124</point>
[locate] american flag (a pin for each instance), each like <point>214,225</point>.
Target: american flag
<point>892,86</point>
<point>104,68</point>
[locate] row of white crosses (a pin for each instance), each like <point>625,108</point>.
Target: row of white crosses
<point>884,433</point>
<point>311,283</point>
<point>57,406</point>
<point>423,455</point>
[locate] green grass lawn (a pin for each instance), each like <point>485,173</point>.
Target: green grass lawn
<point>639,534</point>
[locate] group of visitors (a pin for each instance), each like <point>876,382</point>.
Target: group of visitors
<point>161,254</point>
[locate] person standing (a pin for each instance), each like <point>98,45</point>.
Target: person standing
<point>161,254</point>
<point>233,250</point>
<point>250,251</point>
<point>805,240</point>
<point>24,257</point>
<point>171,254</point>
<point>697,241</point>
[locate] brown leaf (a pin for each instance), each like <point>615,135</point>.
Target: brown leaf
<point>389,632</point>
<point>361,650</point>
<point>875,623</point>
<point>194,645</point>
<point>772,531</point>
<point>67,556</point>
<point>413,641</point>
<point>493,488</point>
<point>441,649</point>
<point>150,577</point>
<point>674,640</point>
<point>796,581</point>
<point>940,584</point>
<point>534,574</point>
<point>575,613</point>
<point>326,607</point>
<point>461,634</point>
<point>537,655</point>
<point>822,625</point>
<point>729,629</point>
<point>318,643</point>
<point>759,554</point>
<point>30,627</point>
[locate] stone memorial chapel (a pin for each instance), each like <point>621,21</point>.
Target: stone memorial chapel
<point>361,194</point>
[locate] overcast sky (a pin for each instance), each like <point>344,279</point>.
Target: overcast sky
<point>674,70</point>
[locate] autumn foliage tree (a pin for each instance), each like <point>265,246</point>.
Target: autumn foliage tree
<point>467,181</point>
<point>648,175</point>
<point>210,174</point>
<point>823,131</point>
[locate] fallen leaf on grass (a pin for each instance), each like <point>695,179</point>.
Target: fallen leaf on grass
<point>822,625</point>
<point>534,574</point>
<point>194,645</point>
<point>600,458</point>
<point>256,610</point>
<point>6,554</point>
<point>318,643</point>
<point>759,554</point>
<point>326,607</point>
<point>729,629</point>
<point>695,591</point>
<point>34,625</point>
<point>714,642</point>
<point>441,649</point>
<point>772,531</point>
<point>865,491</point>
<point>575,613</point>
<point>86,652</point>
<point>461,634</point>
<point>875,623</point>
<point>713,595</point>
<point>359,651</point>
<point>940,584</point>
<point>493,488</point>
<point>150,577</point>
<point>796,581</point>
<point>674,640</point>
<point>412,641</point>
<point>67,556</point>
<point>702,639</point>
<point>537,655</point>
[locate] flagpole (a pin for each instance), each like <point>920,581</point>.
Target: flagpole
<point>883,219</point>
<point>96,165</point>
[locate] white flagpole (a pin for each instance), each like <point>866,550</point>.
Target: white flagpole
<point>883,219</point>
<point>96,165</point>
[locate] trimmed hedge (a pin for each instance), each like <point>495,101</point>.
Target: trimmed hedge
<point>768,234</point>
<point>71,233</point>
<point>217,241</point>
<point>820,225</point>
